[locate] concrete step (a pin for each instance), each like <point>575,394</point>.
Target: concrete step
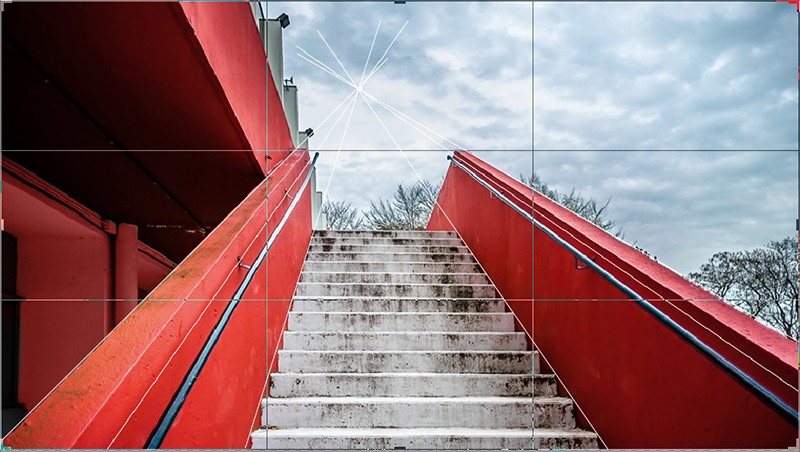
<point>393,278</point>
<point>314,361</point>
<point>388,234</point>
<point>561,438</point>
<point>391,267</point>
<point>397,290</point>
<point>553,412</point>
<point>318,304</point>
<point>390,257</point>
<point>386,241</point>
<point>404,412</point>
<point>342,248</point>
<point>395,438</point>
<point>401,340</point>
<point>401,321</point>
<point>410,385</point>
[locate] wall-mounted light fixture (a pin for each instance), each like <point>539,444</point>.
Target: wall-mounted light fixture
<point>284,20</point>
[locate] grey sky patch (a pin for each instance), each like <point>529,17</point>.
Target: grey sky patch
<point>607,76</point>
<point>665,76</point>
<point>684,206</point>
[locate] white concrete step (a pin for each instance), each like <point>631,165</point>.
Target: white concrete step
<point>399,384</point>
<point>386,241</point>
<point>388,234</point>
<point>319,304</point>
<point>451,438</point>
<point>401,321</point>
<point>403,340</point>
<point>405,412</point>
<point>396,290</point>
<point>562,438</point>
<point>393,278</point>
<point>391,267</point>
<point>553,412</point>
<point>315,361</point>
<point>343,248</point>
<point>389,257</point>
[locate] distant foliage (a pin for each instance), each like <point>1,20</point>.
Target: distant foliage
<point>409,209</point>
<point>763,283</point>
<point>588,208</point>
<point>342,216</point>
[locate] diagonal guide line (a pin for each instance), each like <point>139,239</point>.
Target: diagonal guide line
<point>336,160</point>
<point>320,63</point>
<point>380,65</point>
<point>369,55</point>
<point>392,43</point>
<point>397,112</point>
<point>337,58</point>
<point>328,71</point>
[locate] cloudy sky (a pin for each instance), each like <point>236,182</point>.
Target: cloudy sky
<point>527,86</point>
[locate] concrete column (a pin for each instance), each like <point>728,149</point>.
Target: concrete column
<point>126,281</point>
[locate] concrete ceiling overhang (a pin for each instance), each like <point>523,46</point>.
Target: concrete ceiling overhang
<point>116,104</point>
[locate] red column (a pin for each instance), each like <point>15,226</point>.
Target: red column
<point>126,284</point>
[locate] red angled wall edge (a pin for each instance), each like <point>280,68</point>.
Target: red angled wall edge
<point>638,382</point>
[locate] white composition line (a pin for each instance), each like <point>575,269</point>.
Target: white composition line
<point>337,58</point>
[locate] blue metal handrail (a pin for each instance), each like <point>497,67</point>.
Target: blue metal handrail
<point>158,435</point>
<point>749,382</point>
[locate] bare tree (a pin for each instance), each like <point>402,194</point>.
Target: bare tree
<point>587,208</point>
<point>410,208</point>
<point>763,283</point>
<point>342,216</point>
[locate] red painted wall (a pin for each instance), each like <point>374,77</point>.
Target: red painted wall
<point>639,383</point>
<point>116,396</point>
<point>224,29</point>
<point>65,275</point>
<point>502,246</point>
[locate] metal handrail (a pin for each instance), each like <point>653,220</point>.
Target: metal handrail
<point>789,413</point>
<point>158,435</point>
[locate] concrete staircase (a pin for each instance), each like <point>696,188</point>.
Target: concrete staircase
<point>397,340</point>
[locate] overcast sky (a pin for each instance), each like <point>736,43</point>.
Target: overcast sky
<point>559,77</point>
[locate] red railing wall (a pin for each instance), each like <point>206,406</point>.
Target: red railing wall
<point>118,393</point>
<point>639,383</point>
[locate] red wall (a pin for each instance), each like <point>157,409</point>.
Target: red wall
<point>65,273</point>
<point>502,246</point>
<point>639,383</point>
<point>116,396</point>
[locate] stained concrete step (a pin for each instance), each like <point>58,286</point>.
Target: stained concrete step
<point>386,241</point>
<point>401,340</point>
<point>391,267</point>
<point>410,385</point>
<point>389,257</point>
<point>342,248</point>
<point>401,321</point>
<point>388,234</point>
<point>553,412</point>
<point>316,361</point>
<point>318,304</point>
<point>393,278</point>
<point>397,290</point>
<point>406,412</point>
<point>395,438</point>
<point>561,438</point>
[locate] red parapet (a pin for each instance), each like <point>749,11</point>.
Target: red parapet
<point>637,381</point>
<point>118,394</point>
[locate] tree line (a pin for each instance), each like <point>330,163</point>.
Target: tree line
<point>762,283</point>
